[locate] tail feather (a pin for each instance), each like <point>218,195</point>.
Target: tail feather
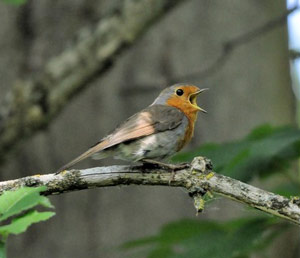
<point>98,147</point>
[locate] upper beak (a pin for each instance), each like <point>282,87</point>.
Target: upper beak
<point>193,98</point>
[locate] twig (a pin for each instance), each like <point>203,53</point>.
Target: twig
<point>197,179</point>
<point>32,104</point>
<point>294,54</point>
<point>229,46</point>
<point>227,49</point>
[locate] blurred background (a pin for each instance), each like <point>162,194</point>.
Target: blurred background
<point>237,49</point>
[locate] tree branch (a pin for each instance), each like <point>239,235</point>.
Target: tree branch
<point>196,178</point>
<point>32,104</point>
<point>227,49</point>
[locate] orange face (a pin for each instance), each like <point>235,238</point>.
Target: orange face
<point>185,99</point>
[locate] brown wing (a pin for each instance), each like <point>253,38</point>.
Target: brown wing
<point>153,119</point>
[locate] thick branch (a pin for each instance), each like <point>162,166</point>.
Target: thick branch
<point>197,179</point>
<point>32,104</point>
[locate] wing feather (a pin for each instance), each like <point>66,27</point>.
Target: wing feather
<point>155,118</point>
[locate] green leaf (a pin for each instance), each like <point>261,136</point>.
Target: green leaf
<point>20,224</point>
<point>264,151</point>
<point>15,2</point>
<point>14,202</point>
<point>196,239</point>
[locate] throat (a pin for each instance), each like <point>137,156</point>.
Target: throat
<point>185,107</point>
<point>191,114</point>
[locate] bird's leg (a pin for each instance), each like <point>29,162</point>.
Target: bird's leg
<point>173,167</point>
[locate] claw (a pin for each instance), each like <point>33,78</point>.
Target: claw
<point>173,167</point>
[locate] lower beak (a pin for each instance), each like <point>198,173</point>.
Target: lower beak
<point>193,100</point>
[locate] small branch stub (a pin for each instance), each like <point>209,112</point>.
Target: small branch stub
<point>203,168</point>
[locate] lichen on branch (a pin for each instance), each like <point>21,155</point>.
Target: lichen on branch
<point>197,178</point>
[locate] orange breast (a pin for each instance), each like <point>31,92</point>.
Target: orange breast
<point>191,113</point>
<point>187,136</point>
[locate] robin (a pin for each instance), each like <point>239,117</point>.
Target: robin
<point>153,134</point>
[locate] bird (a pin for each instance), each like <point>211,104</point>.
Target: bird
<point>153,134</point>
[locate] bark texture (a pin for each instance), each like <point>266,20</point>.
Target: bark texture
<point>197,178</point>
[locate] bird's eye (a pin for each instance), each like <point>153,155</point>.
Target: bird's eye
<point>179,92</point>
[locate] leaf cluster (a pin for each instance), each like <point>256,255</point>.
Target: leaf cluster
<point>196,239</point>
<point>17,212</point>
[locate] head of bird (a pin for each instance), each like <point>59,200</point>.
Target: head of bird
<point>181,96</point>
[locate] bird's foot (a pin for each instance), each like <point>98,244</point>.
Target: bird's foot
<point>158,164</point>
<point>170,167</point>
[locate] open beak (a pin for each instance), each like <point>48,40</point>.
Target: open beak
<point>193,100</point>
